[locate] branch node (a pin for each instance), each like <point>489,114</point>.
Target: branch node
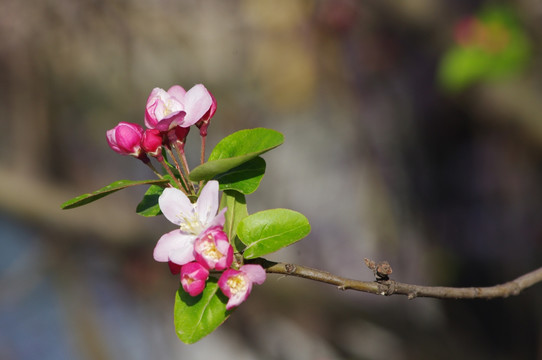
<point>381,270</point>
<point>341,287</point>
<point>412,295</point>
<point>290,268</point>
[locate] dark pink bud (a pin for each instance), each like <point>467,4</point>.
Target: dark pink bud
<point>193,277</point>
<point>152,142</point>
<point>125,139</point>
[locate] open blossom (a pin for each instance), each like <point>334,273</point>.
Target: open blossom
<point>237,284</point>
<point>193,277</point>
<point>213,249</point>
<point>177,107</point>
<point>125,138</point>
<point>177,246</point>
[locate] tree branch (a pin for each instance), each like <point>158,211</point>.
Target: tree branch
<point>391,287</point>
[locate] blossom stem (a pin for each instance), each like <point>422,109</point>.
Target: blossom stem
<point>179,170</point>
<point>151,166</point>
<point>179,183</point>
<point>184,163</point>
<point>202,158</point>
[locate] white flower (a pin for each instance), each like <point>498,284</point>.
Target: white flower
<point>177,246</point>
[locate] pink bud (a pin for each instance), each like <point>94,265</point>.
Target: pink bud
<point>125,139</point>
<point>203,124</point>
<point>237,284</point>
<point>193,277</point>
<point>213,249</point>
<point>152,142</point>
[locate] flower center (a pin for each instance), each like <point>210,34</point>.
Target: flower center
<point>209,249</point>
<point>237,284</point>
<point>190,224</point>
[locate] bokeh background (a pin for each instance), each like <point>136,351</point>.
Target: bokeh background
<point>413,134</point>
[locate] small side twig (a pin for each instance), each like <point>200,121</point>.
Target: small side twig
<point>391,287</point>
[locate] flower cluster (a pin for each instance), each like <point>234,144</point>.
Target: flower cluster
<point>200,244</point>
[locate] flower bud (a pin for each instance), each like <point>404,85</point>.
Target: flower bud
<point>193,277</point>
<point>125,139</point>
<point>203,124</point>
<point>152,142</point>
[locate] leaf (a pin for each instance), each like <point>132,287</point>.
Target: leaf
<point>149,204</point>
<point>237,211</point>
<point>268,231</point>
<point>108,190</point>
<point>236,149</point>
<point>198,316</point>
<point>244,178</point>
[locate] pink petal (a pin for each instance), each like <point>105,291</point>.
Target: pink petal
<point>175,205</point>
<point>255,273</point>
<point>178,92</point>
<point>197,101</point>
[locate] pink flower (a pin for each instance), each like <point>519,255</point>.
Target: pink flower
<point>237,284</point>
<point>125,138</point>
<point>177,246</point>
<point>193,277</point>
<point>213,250</point>
<point>177,107</point>
<point>151,142</point>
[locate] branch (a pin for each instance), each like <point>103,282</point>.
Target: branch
<point>391,287</point>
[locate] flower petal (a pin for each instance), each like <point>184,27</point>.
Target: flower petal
<point>254,272</point>
<point>173,241</point>
<point>207,203</point>
<point>197,102</point>
<point>178,92</point>
<point>175,205</point>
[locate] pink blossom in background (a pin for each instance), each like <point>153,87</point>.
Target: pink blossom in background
<point>177,107</point>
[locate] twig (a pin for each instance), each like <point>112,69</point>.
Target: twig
<point>391,287</point>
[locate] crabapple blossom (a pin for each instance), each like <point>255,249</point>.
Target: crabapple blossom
<point>125,138</point>
<point>213,249</point>
<point>177,246</point>
<point>177,107</point>
<point>193,277</point>
<point>237,284</point>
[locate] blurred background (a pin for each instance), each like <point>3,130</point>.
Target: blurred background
<point>413,134</point>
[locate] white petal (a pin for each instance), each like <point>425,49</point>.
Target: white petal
<point>175,205</point>
<point>184,254</point>
<point>207,203</point>
<point>169,242</point>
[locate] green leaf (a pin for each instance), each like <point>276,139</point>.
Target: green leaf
<point>268,231</point>
<point>245,178</point>
<point>149,204</point>
<point>237,211</point>
<point>197,316</point>
<point>107,190</point>
<point>236,149</point>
